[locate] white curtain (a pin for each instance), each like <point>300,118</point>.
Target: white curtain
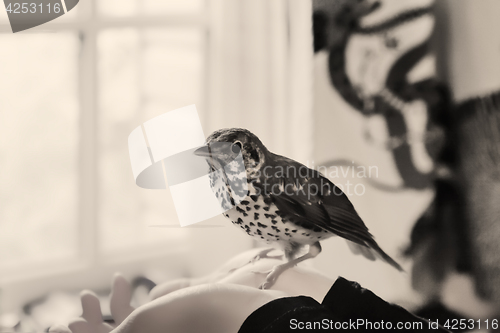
<point>260,78</point>
<point>261,72</point>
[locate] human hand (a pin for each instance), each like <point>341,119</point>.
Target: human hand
<point>219,302</point>
<point>295,281</point>
<point>91,320</point>
<point>210,308</point>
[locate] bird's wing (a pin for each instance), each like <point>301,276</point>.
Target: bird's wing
<point>312,201</point>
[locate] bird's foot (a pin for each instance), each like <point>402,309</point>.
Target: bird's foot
<point>264,272</point>
<point>263,255</point>
<point>272,276</point>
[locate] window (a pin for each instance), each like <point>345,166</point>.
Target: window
<point>76,87</point>
<point>38,149</point>
<point>143,73</point>
<point>71,92</point>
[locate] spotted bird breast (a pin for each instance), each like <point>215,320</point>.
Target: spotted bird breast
<point>259,217</point>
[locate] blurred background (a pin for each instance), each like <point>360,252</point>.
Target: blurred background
<point>392,86</point>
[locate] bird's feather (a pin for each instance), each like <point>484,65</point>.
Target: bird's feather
<point>328,208</point>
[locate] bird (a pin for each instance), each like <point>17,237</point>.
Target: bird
<point>281,201</point>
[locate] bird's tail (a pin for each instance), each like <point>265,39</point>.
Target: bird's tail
<point>372,252</point>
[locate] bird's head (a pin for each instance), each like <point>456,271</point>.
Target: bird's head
<point>224,145</point>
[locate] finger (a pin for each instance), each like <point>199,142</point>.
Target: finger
<point>121,295</point>
<point>80,325</point>
<point>91,307</point>
<point>59,329</point>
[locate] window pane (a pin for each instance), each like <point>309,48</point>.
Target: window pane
<point>117,7</point>
<point>143,73</point>
<point>150,7</point>
<point>38,147</point>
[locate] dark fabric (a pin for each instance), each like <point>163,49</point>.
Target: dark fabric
<point>478,149</point>
<point>344,304</point>
<point>436,311</point>
<point>275,316</point>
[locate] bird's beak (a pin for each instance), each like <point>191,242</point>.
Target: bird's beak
<point>213,150</point>
<point>203,152</point>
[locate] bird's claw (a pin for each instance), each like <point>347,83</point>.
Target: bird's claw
<point>268,282</point>
<point>265,272</point>
<point>263,255</point>
<point>265,285</point>
<point>271,278</point>
<point>257,258</point>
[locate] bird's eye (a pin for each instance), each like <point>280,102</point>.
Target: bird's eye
<point>236,147</point>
